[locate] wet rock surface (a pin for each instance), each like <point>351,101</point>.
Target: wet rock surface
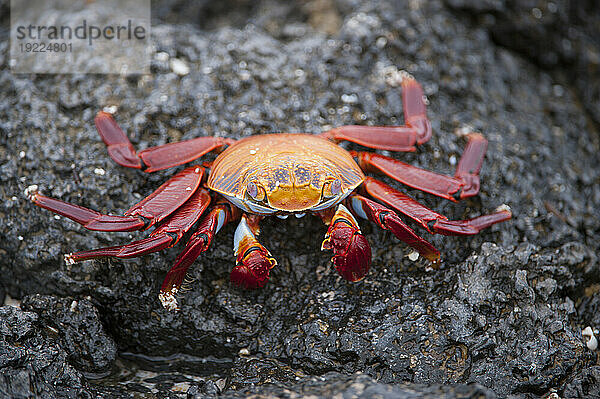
<point>32,362</point>
<point>562,36</point>
<point>502,317</point>
<point>81,333</point>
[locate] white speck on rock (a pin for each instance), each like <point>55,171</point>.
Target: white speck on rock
<point>381,42</point>
<point>245,75</point>
<point>99,171</point>
<point>161,56</point>
<point>244,352</point>
<point>110,109</point>
<point>350,98</point>
<point>591,340</point>
<point>180,67</point>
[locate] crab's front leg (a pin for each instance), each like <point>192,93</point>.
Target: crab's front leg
<point>351,250</point>
<point>253,261</point>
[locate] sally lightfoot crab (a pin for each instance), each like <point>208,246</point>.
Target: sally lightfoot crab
<point>281,175</point>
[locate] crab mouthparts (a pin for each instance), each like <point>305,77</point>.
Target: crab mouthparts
<point>293,198</point>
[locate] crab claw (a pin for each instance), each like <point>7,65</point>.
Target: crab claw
<point>252,268</point>
<point>253,261</point>
<point>351,250</point>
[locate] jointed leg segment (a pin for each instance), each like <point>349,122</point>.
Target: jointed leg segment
<point>388,220</point>
<point>153,209</point>
<point>465,182</point>
<point>166,235</point>
<point>393,138</point>
<point>219,215</point>
<point>432,221</point>
<point>152,159</point>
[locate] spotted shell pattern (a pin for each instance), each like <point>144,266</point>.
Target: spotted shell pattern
<point>292,169</point>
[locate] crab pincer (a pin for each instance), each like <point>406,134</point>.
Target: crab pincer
<point>351,250</point>
<point>253,261</point>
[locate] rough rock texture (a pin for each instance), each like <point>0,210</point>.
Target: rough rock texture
<point>79,328</point>
<point>559,35</point>
<point>334,384</point>
<point>32,363</point>
<point>503,316</point>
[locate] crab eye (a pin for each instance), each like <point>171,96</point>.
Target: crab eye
<point>333,188</point>
<point>336,187</point>
<point>254,191</point>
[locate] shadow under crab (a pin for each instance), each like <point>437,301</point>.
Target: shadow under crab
<point>283,174</point>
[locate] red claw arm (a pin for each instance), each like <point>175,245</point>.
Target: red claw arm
<point>169,196</point>
<point>199,242</point>
<point>430,220</point>
<point>119,147</point>
<point>88,218</point>
<point>166,235</point>
<point>153,209</point>
<point>253,261</point>
<point>351,250</point>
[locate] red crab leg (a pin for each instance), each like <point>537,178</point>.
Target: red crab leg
<point>157,206</point>
<point>351,250</point>
<point>430,220</point>
<point>165,236</point>
<point>218,216</point>
<point>253,261</point>
<point>388,220</point>
<point>161,157</point>
<point>465,182</point>
<point>393,138</point>
<point>169,196</point>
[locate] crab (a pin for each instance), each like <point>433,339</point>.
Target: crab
<point>281,175</point>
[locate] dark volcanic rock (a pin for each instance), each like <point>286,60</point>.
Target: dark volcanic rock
<point>560,35</point>
<point>78,328</point>
<point>505,311</point>
<point>361,386</point>
<point>585,385</point>
<point>32,362</point>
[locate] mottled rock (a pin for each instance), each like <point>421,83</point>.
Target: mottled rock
<point>504,313</point>
<point>32,362</point>
<point>559,35</point>
<point>361,386</point>
<point>79,329</point>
